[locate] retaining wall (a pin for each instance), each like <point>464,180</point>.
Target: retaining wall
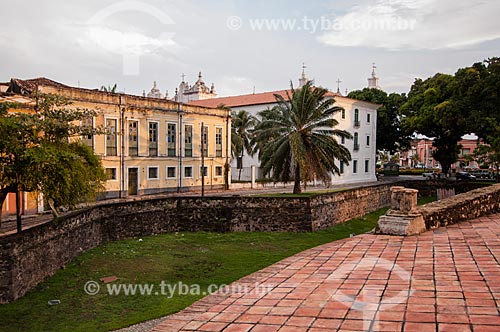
<point>28,258</point>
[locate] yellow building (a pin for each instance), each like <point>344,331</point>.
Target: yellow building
<point>151,145</point>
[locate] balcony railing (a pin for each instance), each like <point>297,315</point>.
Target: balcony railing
<point>357,124</point>
<point>356,147</point>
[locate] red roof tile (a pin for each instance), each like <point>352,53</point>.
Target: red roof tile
<point>29,86</point>
<point>252,99</point>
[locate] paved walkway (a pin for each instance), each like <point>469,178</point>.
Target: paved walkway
<point>444,280</point>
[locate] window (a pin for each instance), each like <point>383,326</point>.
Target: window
<point>218,170</point>
<point>367,140</point>
<point>133,138</point>
<point>188,140</point>
<point>343,114</point>
<point>88,125</point>
<point>368,117</point>
<point>204,137</point>
<point>153,139</point>
<point>341,167</point>
<point>218,142</point>
<point>342,140</point>
<point>171,172</point>
<point>204,170</point>
<point>111,139</point>
<point>153,173</point>
<point>356,118</point>
<point>367,166</point>
<point>111,174</point>
<point>171,134</point>
<point>356,142</point>
<point>188,172</point>
<point>355,166</point>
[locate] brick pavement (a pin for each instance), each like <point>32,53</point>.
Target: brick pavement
<point>444,280</point>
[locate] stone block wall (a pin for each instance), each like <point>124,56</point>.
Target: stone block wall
<point>328,210</point>
<point>28,258</point>
<point>466,206</point>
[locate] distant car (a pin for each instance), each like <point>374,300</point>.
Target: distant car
<point>482,174</point>
<point>431,175</point>
<point>465,176</point>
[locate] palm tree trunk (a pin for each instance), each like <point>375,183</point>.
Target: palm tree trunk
<point>241,168</point>
<point>296,185</point>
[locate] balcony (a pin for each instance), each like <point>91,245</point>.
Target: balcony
<point>356,147</point>
<point>357,124</point>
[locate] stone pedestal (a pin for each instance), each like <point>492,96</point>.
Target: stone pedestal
<point>403,217</point>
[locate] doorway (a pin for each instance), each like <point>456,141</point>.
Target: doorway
<point>133,181</point>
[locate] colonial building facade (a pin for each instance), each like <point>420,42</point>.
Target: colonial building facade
<point>358,118</point>
<point>151,145</point>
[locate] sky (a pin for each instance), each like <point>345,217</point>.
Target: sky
<point>243,46</point>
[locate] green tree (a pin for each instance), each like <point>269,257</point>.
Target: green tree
<point>297,137</point>
<point>42,153</point>
<point>477,95</point>
<point>241,136</point>
<point>391,136</point>
<point>432,111</point>
<point>109,88</point>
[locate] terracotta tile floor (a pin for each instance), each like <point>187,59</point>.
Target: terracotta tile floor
<point>444,280</point>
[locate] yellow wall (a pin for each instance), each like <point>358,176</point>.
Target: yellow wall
<point>146,110</point>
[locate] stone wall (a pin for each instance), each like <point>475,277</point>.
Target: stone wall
<point>470,205</point>
<point>331,209</point>
<point>28,258</point>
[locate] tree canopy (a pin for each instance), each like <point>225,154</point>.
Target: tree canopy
<point>391,136</point>
<point>431,111</point>
<point>40,152</point>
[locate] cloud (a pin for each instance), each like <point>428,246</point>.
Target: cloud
<point>132,42</point>
<point>234,85</point>
<point>415,25</point>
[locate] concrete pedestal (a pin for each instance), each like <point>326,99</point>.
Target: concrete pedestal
<point>403,218</point>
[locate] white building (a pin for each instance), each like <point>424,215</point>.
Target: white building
<point>358,118</point>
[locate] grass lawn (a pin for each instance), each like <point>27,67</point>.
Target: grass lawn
<point>192,258</point>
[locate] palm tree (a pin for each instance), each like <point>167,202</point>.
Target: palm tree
<point>241,136</point>
<point>297,137</point>
<point>415,159</point>
<point>111,89</point>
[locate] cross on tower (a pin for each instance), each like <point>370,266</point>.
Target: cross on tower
<point>183,77</point>
<point>338,85</point>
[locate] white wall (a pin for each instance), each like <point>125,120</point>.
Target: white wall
<point>365,152</point>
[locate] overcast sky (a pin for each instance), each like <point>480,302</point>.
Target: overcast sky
<point>239,45</point>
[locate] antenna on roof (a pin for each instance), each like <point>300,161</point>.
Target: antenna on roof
<point>254,89</point>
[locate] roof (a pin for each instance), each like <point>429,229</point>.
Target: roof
<point>257,99</point>
<point>30,86</point>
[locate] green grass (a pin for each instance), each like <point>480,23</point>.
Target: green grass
<point>193,258</point>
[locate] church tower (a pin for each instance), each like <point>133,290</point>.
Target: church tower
<point>155,92</point>
<point>303,78</point>
<point>373,81</point>
<point>198,91</point>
